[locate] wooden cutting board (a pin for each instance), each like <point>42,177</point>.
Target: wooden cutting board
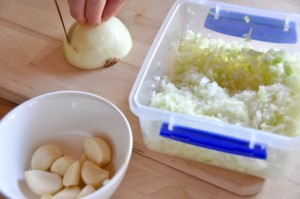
<point>32,63</point>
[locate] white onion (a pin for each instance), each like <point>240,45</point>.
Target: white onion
<point>91,47</point>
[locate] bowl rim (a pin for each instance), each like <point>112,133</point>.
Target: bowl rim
<point>119,174</point>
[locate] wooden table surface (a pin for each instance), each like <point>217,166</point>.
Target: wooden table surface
<point>32,63</point>
<point>147,178</point>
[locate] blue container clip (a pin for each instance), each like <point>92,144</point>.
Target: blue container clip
<point>214,141</point>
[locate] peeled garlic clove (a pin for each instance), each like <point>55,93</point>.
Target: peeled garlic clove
<point>72,175</point>
<point>43,182</point>
<point>97,150</point>
<point>67,193</point>
<point>91,47</point>
<point>44,156</point>
<point>83,158</point>
<point>93,175</point>
<point>87,190</point>
<point>47,196</point>
<point>61,165</point>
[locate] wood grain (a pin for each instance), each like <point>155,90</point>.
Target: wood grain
<point>5,107</point>
<point>148,178</point>
<point>32,63</point>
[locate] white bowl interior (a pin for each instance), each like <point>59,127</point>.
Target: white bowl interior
<point>64,119</point>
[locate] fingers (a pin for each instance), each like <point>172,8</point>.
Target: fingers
<point>112,8</point>
<point>77,10</point>
<point>94,10</point>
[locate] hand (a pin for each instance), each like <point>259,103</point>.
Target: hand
<point>94,11</point>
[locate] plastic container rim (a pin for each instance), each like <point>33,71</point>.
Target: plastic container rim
<point>142,111</point>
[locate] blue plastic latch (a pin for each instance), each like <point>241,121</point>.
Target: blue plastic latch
<point>214,141</point>
<point>254,27</point>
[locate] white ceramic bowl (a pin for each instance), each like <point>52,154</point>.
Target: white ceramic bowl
<point>62,118</point>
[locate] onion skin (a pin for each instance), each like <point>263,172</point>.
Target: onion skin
<point>93,47</point>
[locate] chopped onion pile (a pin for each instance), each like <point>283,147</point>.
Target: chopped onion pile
<point>233,83</point>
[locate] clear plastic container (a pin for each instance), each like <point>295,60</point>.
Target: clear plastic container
<point>230,146</point>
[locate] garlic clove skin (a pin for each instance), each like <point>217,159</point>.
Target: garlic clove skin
<point>72,175</point>
<point>67,193</point>
<point>43,182</point>
<point>61,165</point>
<point>47,196</point>
<point>92,47</point>
<point>44,156</point>
<point>87,190</point>
<point>93,175</point>
<point>83,158</point>
<point>97,150</point>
